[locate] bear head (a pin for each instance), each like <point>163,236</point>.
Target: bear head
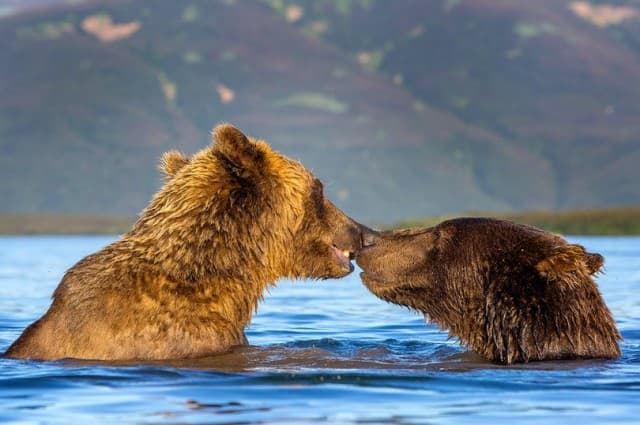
<point>239,209</point>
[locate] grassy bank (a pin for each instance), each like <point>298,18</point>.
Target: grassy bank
<point>45,224</point>
<point>610,221</point>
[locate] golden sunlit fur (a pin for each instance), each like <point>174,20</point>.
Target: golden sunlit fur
<point>186,279</point>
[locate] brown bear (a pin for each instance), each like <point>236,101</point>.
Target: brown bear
<point>186,279</point>
<point>510,292</point>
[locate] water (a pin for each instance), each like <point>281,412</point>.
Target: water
<point>321,352</point>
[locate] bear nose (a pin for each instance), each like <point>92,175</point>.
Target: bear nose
<point>369,236</point>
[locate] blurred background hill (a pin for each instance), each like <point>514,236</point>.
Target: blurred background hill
<point>403,108</point>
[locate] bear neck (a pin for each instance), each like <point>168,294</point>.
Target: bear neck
<point>230,278</point>
<point>200,240</point>
<point>462,317</point>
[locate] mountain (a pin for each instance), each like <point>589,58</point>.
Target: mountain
<point>560,78</point>
<point>403,108</point>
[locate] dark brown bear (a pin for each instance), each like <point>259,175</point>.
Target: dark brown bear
<point>185,280</point>
<point>510,292</point>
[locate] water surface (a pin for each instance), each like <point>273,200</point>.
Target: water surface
<point>321,352</point>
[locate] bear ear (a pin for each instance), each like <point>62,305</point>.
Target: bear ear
<point>236,148</point>
<point>568,261</point>
<point>172,162</point>
<point>594,262</point>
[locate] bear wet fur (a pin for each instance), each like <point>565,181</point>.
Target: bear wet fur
<point>186,279</point>
<point>510,292</point>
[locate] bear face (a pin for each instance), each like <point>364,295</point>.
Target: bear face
<point>510,292</point>
<point>185,280</point>
<point>330,255</point>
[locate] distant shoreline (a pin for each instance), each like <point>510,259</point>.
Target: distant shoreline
<point>606,222</point>
<point>63,224</point>
<point>619,221</point>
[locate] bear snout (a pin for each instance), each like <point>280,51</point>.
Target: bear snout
<point>365,256</point>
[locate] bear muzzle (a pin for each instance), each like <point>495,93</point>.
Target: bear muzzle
<point>343,257</point>
<point>348,241</point>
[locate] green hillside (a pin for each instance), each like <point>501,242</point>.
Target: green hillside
<point>559,78</point>
<point>403,108</point>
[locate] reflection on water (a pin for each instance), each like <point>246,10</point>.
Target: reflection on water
<point>321,352</point>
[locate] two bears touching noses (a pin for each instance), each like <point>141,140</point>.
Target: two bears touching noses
<point>237,216</point>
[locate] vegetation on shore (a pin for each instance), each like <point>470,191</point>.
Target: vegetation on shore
<point>50,224</point>
<point>610,221</point>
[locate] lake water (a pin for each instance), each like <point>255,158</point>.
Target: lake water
<point>321,352</point>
